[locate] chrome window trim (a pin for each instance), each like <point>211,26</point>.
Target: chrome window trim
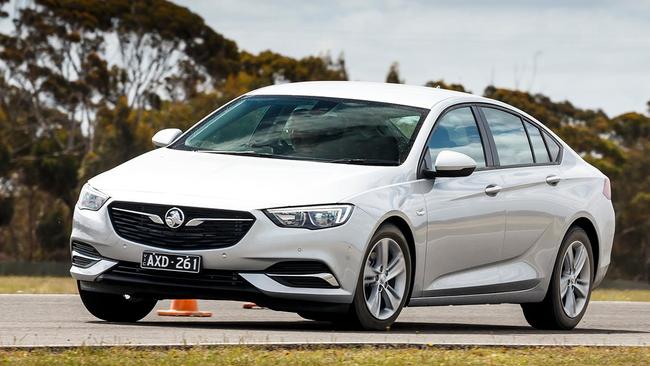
<point>524,119</point>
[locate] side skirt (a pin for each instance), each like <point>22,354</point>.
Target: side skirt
<point>512,292</point>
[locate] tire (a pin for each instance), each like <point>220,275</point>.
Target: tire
<point>555,311</point>
<point>115,308</point>
<point>393,237</point>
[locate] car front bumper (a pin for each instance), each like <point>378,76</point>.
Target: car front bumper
<point>340,249</point>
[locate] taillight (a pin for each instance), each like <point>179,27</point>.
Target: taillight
<point>607,189</point>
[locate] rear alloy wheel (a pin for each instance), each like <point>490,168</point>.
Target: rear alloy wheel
<point>384,281</point>
<point>575,279</point>
<point>570,288</point>
<point>116,308</point>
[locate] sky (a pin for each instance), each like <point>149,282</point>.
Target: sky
<point>595,53</point>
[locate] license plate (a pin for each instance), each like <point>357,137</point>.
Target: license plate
<point>171,262</point>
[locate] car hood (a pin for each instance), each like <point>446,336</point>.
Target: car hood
<point>188,178</point>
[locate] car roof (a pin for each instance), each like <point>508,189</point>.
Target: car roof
<point>410,95</point>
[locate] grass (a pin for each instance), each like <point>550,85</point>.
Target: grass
<point>37,285</point>
<point>255,355</point>
<point>66,285</point>
<point>606,294</point>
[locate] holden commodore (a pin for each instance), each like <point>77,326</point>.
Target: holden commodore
<point>345,202</point>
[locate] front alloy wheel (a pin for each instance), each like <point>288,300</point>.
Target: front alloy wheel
<point>384,281</point>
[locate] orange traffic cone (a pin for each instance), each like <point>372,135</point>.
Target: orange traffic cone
<point>251,305</point>
<point>184,308</point>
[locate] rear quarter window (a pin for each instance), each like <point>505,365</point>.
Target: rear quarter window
<point>553,147</point>
<point>538,144</point>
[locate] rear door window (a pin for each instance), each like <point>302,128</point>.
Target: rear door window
<point>509,137</point>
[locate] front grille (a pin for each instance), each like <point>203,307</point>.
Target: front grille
<point>133,224</point>
<point>129,272</point>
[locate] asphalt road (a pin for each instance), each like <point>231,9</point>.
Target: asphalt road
<point>61,320</point>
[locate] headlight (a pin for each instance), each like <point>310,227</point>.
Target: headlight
<point>310,217</point>
<point>91,199</point>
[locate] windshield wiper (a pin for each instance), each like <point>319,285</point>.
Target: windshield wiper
<point>234,152</point>
<point>365,161</point>
<point>251,153</point>
<point>290,157</point>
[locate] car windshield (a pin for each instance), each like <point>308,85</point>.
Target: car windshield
<point>309,128</point>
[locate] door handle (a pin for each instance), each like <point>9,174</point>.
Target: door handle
<point>553,180</point>
<point>492,190</point>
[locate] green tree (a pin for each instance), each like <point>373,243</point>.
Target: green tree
<point>393,74</point>
<point>53,241</point>
<point>6,210</point>
<point>632,128</point>
<point>443,85</point>
<point>56,78</point>
<point>268,68</point>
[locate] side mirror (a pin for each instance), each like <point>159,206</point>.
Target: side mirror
<point>165,137</point>
<point>451,164</point>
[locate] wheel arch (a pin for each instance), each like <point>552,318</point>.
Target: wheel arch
<point>588,226</point>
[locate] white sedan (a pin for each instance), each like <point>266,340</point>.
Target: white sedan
<point>345,202</point>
